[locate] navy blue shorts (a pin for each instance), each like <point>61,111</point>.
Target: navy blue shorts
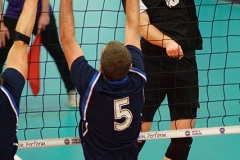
<point>172,78</point>
<point>10,94</point>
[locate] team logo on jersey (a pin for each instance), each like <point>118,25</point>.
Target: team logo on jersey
<point>171,3</point>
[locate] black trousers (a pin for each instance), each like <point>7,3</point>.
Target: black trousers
<point>50,41</point>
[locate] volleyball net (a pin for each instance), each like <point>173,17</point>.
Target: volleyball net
<point>46,121</point>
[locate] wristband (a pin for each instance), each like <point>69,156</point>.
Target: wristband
<point>17,36</point>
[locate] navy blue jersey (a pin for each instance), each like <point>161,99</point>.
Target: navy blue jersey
<point>10,93</point>
<point>110,111</point>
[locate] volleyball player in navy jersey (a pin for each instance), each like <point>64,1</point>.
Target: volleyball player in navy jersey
<point>111,97</point>
<point>170,37</point>
<point>12,81</point>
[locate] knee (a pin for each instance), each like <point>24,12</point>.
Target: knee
<point>179,148</point>
<point>182,141</point>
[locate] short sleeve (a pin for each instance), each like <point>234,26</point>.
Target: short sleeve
<point>142,6</point>
<point>81,74</point>
<point>137,57</point>
<point>14,82</point>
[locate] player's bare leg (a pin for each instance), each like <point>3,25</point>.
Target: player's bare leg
<point>182,124</point>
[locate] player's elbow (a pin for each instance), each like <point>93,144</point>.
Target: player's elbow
<point>65,36</point>
<point>131,25</point>
<point>143,27</point>
<point>66,39</point>
<point>142,31</point>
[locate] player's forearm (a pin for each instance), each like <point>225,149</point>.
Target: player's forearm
<point>132,22</point>
<point>67,30</point>
<point>132,13</point>
<point>17,57</point>
<point>27,18</point>
<point>45,7</point>
<point>153,35</point>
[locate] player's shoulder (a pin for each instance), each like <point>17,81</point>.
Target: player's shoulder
<point>133,48</point>
<point>13,80</point>
<point>11,74</point>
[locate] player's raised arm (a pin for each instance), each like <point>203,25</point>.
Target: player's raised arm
<point>17,57</point>
<point>67,32</point>
<point>132,23</point>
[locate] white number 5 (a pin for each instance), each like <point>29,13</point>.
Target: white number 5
<point>120,113</point>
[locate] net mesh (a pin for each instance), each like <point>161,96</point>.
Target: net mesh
<point>98,22</point>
